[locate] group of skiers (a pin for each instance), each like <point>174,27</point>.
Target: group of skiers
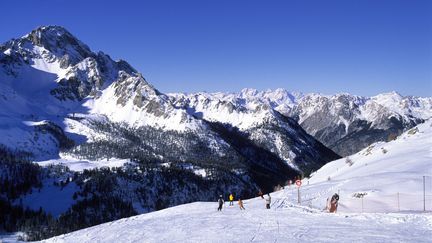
<point>332,203</point>
<point>231,200</point>
<point>240,201</point>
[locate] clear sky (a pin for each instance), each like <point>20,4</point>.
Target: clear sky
<point>361,47</point>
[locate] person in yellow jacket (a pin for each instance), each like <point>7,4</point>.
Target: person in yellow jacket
<point>231,199</point>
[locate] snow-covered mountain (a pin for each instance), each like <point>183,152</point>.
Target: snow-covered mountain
<point>49,76</point>
<point>348,123</point>
<point>49,68</point>
<point>61,103</point>
<point>343,122</point>
<point>381,200</point>
<point>260,123</point>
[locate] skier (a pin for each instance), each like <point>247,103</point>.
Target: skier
<point>268,201</point>
<point>240,202</point>
<point>221,202</point>
<point>231,198</point>
<point>260,193</point>
<point>332,204</point>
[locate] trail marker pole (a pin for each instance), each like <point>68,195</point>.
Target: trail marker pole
<point>298,183</point>
<point>362,204</point>
<point>424,193</point>
<point>298,194</point>
<point>398,202</point>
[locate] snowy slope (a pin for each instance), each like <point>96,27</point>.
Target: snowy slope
<point>285,222</point>
<point>382,171</point>
<point>381,175</point>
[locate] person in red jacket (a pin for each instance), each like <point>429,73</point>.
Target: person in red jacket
<point>332,203</point>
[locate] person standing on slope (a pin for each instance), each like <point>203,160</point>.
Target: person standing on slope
<point>221,202</point>
<point>231,199</point>
<point>240,202</point>
<point>260,193</point>
<point>332,204</point>
<point>268,201</point>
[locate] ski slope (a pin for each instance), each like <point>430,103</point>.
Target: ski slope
<point>388,174</point>
<point>380,176</point>
<point>284,222</point>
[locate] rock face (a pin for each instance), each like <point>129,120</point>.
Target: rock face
<point>343,122</point>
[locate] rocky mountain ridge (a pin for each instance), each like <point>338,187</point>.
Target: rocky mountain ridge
<point>343,122</point>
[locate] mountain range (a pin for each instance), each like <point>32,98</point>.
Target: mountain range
<point>345,123</point>
<point>51,79</point>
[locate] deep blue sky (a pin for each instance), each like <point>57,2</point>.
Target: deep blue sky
<point>360,47</point>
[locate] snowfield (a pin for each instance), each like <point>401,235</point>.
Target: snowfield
<point>285,222</point>
<point>390,175</point>
<point>81,164</point>
<point>380,176</point>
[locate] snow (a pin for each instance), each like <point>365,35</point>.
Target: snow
<point>10,237</point>
<point>7,52</point>
<point>178,119</point>
<point>45,65</point>
<point>285,222</point>
<point>20,135</point>
<point>345,122</point>
<point>384,171</point>
<point>75,164</point>
<point>377,173</point>
<point>215,106</point>
<point>226,110</point>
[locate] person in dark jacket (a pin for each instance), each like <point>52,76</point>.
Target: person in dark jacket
<point>268,201</point>
<point>221,202</point>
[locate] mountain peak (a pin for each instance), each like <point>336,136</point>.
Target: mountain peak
<point>246,92</point>
<point>392,96</point>
<point>51,30</point>
<point>59,42</point>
